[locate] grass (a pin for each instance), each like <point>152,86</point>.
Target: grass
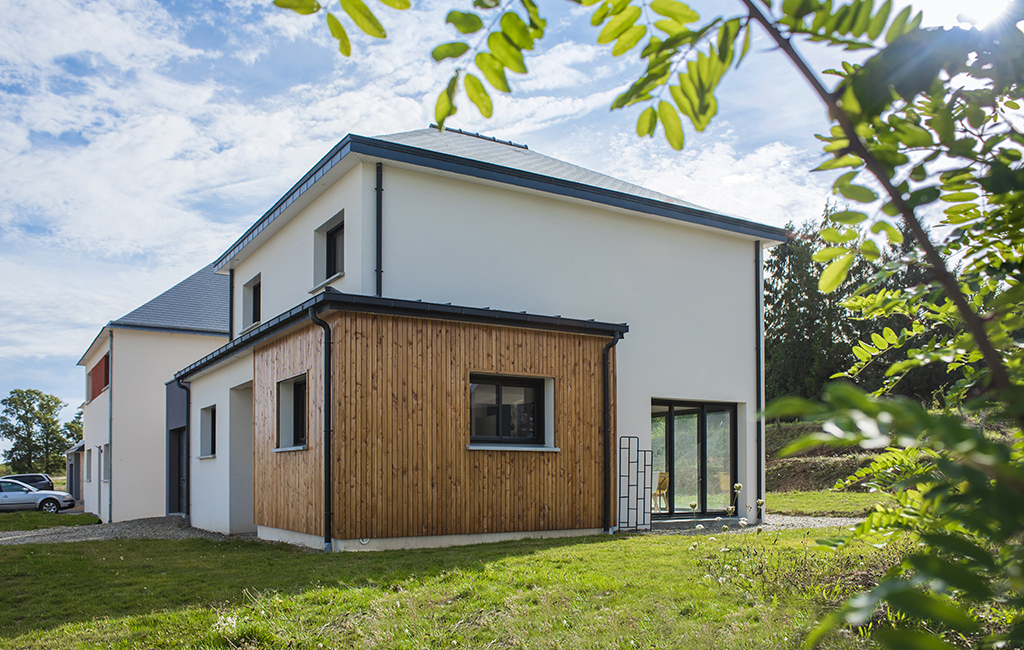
<point>736,591</point>
<point>34,520</point>
<point>836,504</point>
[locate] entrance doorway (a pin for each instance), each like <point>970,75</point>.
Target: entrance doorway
<point>694,457</point>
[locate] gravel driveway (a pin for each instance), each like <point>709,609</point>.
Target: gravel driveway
<point>175,528</point>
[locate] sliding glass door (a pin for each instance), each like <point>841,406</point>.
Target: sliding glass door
<point>694,457</point>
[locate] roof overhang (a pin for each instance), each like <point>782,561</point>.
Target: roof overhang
<point>354,149</point>
<point>333,300</point>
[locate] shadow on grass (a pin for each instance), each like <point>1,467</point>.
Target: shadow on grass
<point>49,585</point>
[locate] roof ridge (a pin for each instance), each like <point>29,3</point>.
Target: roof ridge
<point>473,134</point>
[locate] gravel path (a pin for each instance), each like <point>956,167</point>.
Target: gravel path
<point>175,528</point>
<point>152,528</point>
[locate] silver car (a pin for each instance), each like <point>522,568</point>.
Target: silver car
<point>15,495</point>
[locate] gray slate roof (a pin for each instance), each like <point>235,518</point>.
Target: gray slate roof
<point>475,147</point>
<point>197,304</point>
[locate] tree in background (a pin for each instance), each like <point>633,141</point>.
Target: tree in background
<point>810,334</point>
<point>31,421</point>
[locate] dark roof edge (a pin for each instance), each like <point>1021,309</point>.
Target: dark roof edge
<point>478,169</point>
<point>168,330</point>
<point>338,301</point>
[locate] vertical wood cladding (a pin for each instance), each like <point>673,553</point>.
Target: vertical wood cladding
<point>401,467</point>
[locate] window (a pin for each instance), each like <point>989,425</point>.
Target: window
<point>98,378</point>
<point>506,410</point>
<point>252,298</point>
<point>329,251</point>
<point>208,431</point>
<point>291,412</point>
<point>336,250</point>
<point>88,464</point>
<point>106,462</point>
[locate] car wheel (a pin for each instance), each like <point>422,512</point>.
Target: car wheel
<point>50,506</point>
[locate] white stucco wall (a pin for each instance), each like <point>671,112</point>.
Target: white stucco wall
<point>143,360</point>
<point>687,292</point>
<point>95,426</point>
<point>222,485</point>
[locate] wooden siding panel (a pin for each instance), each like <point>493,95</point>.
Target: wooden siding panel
<point>401,405</point>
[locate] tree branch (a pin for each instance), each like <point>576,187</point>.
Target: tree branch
<point>1000,379</point>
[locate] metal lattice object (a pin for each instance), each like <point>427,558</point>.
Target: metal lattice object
<point>634,485</point>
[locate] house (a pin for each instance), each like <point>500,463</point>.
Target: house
<point>118,468</point>
<point>442,338</point>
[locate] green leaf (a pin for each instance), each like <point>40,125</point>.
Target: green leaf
<point>304,7</point>
<point>629,39</point>
<point>848,217</point>
<point>478,95</point>
<point>491,4</point>
<point>516,30</point>
<point>890,336</point>
<point>619,24</point>
<point>857,193</point>
<point>675,10</point>
<point>338,32</point>
<point>506,52</point>
<point>465,22</point>
<point>828,254</point>
<point>836,236</point>
<point>925,605</point>
<point>923,196</point>
<point>363,18</point>
<point>1012,296</point>
<point>647,122</point>
<point>878,22</point>
<point>449,51</point>
<point>869,250</point>
<point>898,23</point>
<point>848,160</point>
<point>445,106</point>
<point>911,134</point>
<point>673,127</point>
<point>397,4</point>
<point>791,407</point>
<point>835,273</point>
<point>861,353</point>
<point>879,341</point>
<point>746,46</point>
<point>894,235</point>
<point>492,70</point>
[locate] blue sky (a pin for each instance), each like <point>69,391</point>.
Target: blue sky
<point>139,138</point>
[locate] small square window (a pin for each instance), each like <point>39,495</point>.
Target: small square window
<point>208,431</point>
<point>506,410</point>
<point>291,412</point>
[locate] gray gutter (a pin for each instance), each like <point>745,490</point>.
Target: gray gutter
<point>334,299</point>
<point>393,151</point>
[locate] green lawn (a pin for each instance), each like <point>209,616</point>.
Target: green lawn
<point>34,520</point>
<point>824,503</point>
<point>648,591</point>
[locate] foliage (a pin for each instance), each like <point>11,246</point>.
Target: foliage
<point>31,421</point>
<point>809,334</point>
<point>647,591</point>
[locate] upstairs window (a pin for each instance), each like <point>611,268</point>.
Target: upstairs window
<point>291,412</point>
<point>506,410</point>
<point>252,298</point>
<point>98,378</point>
<point>336,250</point>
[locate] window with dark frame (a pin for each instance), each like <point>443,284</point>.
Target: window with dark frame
<point>208,431</point>
<point>336,250</point>
<point>299,412</point>
<point>292,412</point>
<point>256,303</point>
<point>506,410</point>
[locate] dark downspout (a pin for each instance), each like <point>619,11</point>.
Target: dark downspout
<point>608,434</point>
<point>188,449</point>
<point>110,430</point>
<point>757,375</point>
<point>328,419</point>
<point>380,230</point>
<point>231,304</point>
